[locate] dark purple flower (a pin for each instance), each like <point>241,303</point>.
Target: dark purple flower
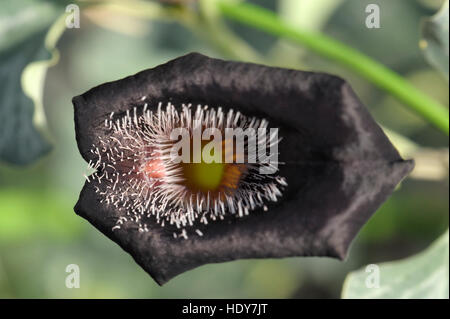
<point>338,165</point>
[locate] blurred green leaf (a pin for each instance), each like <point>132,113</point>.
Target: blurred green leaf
<point>378,74</point>
<point>435,38</point>
<point>425,275</point>
<point>26,214</point>
<point>302,14</point>
<point>310,15</point>
<point>27,41</point>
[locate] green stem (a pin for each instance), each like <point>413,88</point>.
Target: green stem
<point>215,30</point>
<point>373,71</point>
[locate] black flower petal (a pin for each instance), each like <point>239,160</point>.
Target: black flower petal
<point>339,164</point>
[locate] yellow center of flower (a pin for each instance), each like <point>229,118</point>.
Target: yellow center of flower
<point>204,176</point>
<point>212,176</point>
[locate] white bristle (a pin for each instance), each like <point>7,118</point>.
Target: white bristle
<point>140,137</point>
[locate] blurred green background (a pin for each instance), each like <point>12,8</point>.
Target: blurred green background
<point>40,234</point>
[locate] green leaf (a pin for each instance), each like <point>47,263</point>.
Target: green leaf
<point>435,38</point>
<point>26,214</point>
<point>425,275</point>
<point>28,37</point>
<point>309,15</point>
